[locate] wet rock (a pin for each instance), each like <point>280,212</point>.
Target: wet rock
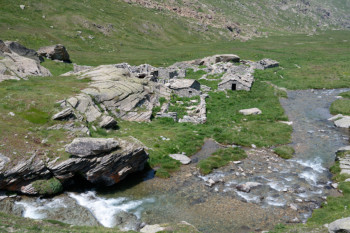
<point>181,158</point>
<point>343,122</point>
<point>54,52</point>
<point>64,114</point>
<point>250,111</point>
<point>127,221</point>
<point>246,187</point>
<point>340,225</point>
<point>23,174</point>
<point>84,147</point>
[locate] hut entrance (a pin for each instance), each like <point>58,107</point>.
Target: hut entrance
<point>233,87</point>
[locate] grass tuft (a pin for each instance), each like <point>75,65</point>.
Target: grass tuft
<point>285,152</point>
<point>221,158</point>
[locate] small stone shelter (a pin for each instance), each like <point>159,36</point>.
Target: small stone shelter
<point>236,82</point>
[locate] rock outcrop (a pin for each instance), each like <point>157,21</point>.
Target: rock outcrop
<point>55,52</point>
<point>19,62</point>
<point>103,161</point>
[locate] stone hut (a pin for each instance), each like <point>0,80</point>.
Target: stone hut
<point>236,82</point>
<point>185,87</point>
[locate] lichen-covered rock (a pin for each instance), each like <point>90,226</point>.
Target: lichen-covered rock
<point>84,147</point>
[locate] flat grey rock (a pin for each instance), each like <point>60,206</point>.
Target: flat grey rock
<point>181,158</point>
<point>250,111</point>
<point>84,147</point>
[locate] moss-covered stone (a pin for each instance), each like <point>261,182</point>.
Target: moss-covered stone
<point>48,187</point>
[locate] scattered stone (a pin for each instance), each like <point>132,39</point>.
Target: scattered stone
<point>340,225</point>
<point>246,187</point>
<point>286,122</point>
<point>22,7</point>
<point>250,111</point>
<point>293,207</point>
<point>182,158</point>
<point>55,52</point>
<point>11,114</point>
<point>267,63</point>
<point>84,147</point>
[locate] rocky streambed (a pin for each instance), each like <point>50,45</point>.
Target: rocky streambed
<point>250,195</point>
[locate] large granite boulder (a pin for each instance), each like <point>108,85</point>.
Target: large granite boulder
<point>18,62</point>
<point>55,52</point>
<point>339,226</point>
<point>23,51</point>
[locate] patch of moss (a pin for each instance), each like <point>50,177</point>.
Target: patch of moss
<point>35,116</point>
<point>285,152</point>
<point>48,187</point>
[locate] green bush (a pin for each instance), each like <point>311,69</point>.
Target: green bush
<point>48,187</point>
<point>285,152</point>
<point>221,158</point>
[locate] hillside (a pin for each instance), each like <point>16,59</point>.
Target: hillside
<point>100,32</point>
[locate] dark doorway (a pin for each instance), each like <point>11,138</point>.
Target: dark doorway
<point>233,87</point>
